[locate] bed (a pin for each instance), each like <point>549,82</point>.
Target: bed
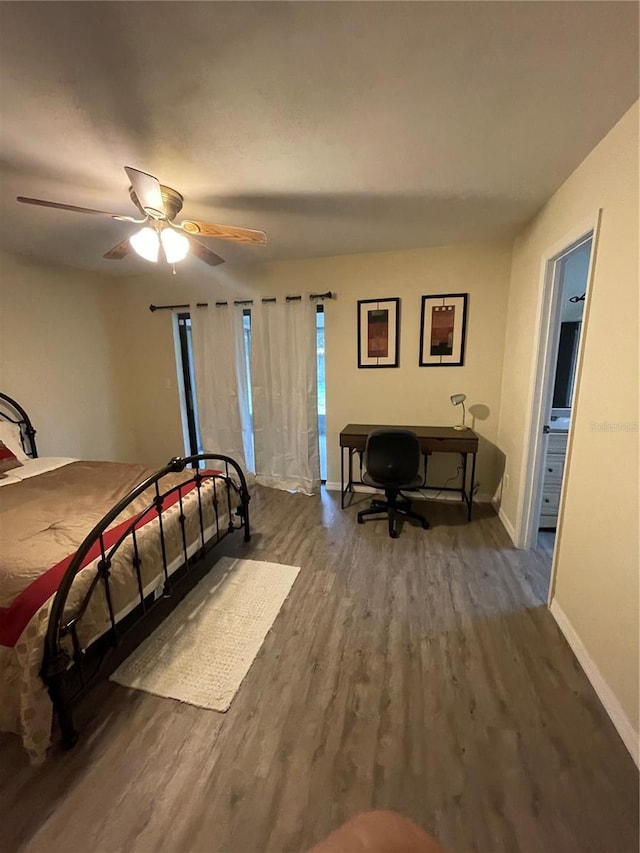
<point>88,552</point>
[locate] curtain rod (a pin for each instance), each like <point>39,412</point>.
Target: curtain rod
<point>153,308</point>
<point>328,295</point>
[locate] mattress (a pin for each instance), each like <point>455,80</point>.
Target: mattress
<point>44,516</point>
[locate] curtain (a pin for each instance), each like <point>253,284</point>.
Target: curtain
<point>221,382</point>
<point>284,385</point>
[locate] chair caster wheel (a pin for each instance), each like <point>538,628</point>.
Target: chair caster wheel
<point>394,534</point>
<point>425,525</point>
<point>360,520</point>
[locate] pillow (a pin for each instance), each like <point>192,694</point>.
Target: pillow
<point>8,459</point>
<point>10,435</point>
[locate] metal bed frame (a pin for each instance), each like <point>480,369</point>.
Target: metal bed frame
<point>70,676</point>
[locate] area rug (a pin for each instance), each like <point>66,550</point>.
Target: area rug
<point>201,653</point>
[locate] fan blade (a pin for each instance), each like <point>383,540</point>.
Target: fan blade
<point>224,232</point>
<point>42,203</point>
<point>119,251</point>
<point>147,189</point>
<point>204,253</point>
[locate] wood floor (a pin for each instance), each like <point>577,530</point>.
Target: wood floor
<point>421,674</point>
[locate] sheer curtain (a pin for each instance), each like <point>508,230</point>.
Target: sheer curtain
<point>221,382</point>
<point>284,386</point>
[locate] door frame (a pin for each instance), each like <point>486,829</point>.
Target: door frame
<point>541,390</point>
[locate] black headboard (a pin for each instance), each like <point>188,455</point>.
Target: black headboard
<point>15,414</point>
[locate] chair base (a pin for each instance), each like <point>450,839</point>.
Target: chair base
<point>396,507</point>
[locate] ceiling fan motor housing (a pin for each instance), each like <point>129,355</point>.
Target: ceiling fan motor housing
<point>171,198</point>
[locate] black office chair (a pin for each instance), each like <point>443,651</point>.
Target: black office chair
<point>392,463</point>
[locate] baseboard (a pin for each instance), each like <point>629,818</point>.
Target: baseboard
<point>624,727</point>
<point>511,533</point>
<point>425,494</point>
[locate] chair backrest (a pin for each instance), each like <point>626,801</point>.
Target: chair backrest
<point>392,456</point>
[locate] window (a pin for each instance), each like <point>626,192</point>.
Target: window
<point>246,328</point>
<point>322,398</point>
<point>186,384</point>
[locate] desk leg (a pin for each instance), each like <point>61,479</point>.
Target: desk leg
<point>463,491</point>
<point>473,479</point>
<point>349,485</point>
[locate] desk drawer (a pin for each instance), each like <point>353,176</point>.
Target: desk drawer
<point>354,442</point>
<point>449,445</point>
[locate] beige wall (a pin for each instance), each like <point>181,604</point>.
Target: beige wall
<point>149,380</point>
<point>597,552</point>
<point>56,357</point>
<point>408,394</point>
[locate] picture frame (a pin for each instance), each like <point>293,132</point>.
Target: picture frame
<point>443,328</point>
<point>379,332</point>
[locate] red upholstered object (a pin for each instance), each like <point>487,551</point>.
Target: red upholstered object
<point>8,459</point>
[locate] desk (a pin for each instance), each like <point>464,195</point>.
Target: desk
<point>353,439</point>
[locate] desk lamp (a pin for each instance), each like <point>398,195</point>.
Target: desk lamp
<point>456,400</point>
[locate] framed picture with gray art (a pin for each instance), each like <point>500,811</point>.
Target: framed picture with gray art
<point>443,326</point>
<point>378,332</point>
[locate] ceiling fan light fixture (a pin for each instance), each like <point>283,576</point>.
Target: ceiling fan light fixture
<point>176,246</point>
<point>146,243</point>
<point>160,205</point>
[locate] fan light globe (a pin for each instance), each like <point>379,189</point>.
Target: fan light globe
<point>146,243</point>
<point>176,246</point>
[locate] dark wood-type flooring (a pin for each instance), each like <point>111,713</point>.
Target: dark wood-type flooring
<point>422,674</point>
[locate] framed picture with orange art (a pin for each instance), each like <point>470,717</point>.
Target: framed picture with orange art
<point>378,332</point>
<point>443,326</point>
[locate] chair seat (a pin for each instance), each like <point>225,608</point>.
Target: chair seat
<point>412,484</point>
<point>392,463</point>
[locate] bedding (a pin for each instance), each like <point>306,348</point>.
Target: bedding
<point>44,517</point>
<point>7,478</point>
<point>11,436</point>
<point>8,461</point>
<point>33,467</point>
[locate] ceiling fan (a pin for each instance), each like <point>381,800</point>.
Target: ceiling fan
<point>159,206</point>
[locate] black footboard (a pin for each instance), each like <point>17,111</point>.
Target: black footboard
<point>205,509</point>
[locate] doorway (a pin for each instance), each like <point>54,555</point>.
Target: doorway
<point>572,272</point>
<point>567,270</point>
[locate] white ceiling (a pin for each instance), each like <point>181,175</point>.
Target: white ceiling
<point>335,127</point>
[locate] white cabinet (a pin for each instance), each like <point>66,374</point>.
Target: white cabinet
<point>552,481</point>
